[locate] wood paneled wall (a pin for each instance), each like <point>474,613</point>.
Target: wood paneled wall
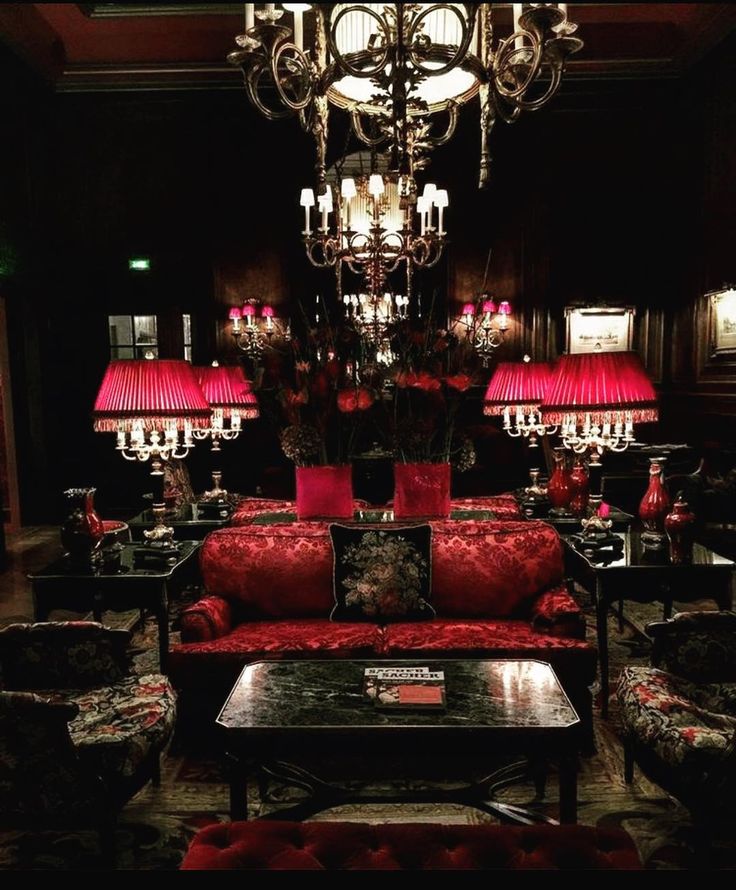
<point>620,192</point>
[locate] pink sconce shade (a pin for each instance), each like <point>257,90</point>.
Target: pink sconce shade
<point>504,307</point>
<point>267,312</point>
<point>489,306</point>
<point>249,310</point>
<point>517,385</point>
<point>468,309</point>
<point>235,312</point>
<point>149,393</point>
<point>228,389</point>
<point>598,383</point>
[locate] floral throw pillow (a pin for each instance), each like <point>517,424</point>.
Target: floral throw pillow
<point>381,574</point>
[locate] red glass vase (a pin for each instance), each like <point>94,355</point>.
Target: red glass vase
<point>580,485</point>
<point>559,487</point>
<point>83,530</point>
<point>680,528</point>
<point>654,507</point>
<point>324,492</point>
<point>422,490</point>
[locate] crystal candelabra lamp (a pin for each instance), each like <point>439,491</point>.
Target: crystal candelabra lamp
<point>596,399</point>
<point>254,332</point>
<point>153,406</point>
<point>231,399</point>
<point>402,71</point>
<point>485,325</point>
<point>515,392</point>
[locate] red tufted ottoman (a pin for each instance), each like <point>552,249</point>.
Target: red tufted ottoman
<point>345,845</point>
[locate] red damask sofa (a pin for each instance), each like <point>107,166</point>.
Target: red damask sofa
<point>497,587</point>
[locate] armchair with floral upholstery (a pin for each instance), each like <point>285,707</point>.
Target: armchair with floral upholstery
<point>679,716</point>
<point>79,734</point>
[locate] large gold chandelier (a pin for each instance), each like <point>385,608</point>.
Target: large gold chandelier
<point>401,71</point>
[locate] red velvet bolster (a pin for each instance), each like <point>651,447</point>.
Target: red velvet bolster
<point>207,619</point>
<point>556,612</point>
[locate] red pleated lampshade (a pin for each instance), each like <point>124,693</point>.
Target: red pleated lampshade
<point>517,385</point>
<point>597,383</point>
<point>152,392</point>
<point>228,388</point>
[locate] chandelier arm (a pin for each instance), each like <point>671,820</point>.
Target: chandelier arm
<point>252,81</point>
<point>357,125</point>
<point>508,115</point>
<point>467,28</point>
<point>452,110</point>
<point>381,53</point>
<point>504,60</point>
<point>555,81</point>
<point>299,59</point>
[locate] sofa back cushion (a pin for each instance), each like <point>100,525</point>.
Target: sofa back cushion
<point>492,569</point>
<point>271,572</point>
<point>485,569</point>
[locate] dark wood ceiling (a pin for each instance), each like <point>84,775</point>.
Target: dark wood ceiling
<point>179,45</point>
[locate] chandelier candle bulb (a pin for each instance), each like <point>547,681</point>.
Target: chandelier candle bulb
<point>375,185</point>
<point>307,200</point>
<point>250,16</point>
<point>519,40</point>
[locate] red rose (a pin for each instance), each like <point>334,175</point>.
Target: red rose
<point>354,399</point>
<point>426,382</point>
<point>296,398</point>
<point>365,399</point>
<point>460,382</point>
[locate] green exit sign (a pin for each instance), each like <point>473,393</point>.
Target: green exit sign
<point>139,264</point>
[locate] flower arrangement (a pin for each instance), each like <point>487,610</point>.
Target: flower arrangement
<point>343,392</point>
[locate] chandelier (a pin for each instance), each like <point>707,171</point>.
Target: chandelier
<point>485,324</point>
<point>401,71</point>
<point>370,226</point>
<point>254,332</point>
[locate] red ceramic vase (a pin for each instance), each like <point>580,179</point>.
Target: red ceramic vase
<point>580,485</point>
<point>324,492</point>
<point>422,490</point>
<point>680,528</point>
<point>654,507</point>
<point>83,530</point>
<point>559,487</point>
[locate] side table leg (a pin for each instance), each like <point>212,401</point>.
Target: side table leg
<point>238,789</point>
<point>568,789</point>
<point>601,608</point>
<point>163,628</point>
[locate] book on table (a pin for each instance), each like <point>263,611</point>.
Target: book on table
<point>393,688</point>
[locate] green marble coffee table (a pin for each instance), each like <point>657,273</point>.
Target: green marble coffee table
<point>280,713</point>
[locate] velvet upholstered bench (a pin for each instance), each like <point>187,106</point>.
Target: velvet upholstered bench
<point>332,846</point>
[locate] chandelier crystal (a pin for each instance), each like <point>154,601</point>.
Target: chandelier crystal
<point>401,71</point>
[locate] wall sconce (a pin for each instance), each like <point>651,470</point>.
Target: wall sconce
<point>255,331</point>
<point>485,324</point>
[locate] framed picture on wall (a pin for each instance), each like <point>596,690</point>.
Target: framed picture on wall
<point>599,328</point>
<point>722,322</point>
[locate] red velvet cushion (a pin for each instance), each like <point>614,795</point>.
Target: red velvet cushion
<point>492,569</point>
<point>199,663</point>
<point>284,573</point>
<point>336,845</point>
<point>487,639</point>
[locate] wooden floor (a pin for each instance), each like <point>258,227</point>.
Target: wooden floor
<point>28,550</point>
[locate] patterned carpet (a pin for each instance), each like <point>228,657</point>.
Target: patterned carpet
<point>157,825</point>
